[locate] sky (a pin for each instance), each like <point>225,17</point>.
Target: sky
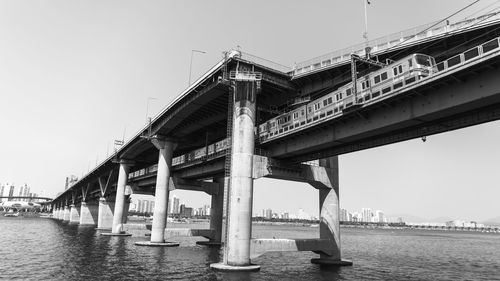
<point>76,75</point>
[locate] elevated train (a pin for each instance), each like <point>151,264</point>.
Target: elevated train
<point>369,88</point>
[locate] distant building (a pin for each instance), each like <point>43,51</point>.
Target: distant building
<point>186,212</point>
<point>269,214</point>
<point>11,192</point>
<point>366,215</point>
<point>70,180</point>
<point>379,216</point>
<point>344,215</point>
<point>176,206</point>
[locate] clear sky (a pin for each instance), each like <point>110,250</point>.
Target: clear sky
<point>75,74</point>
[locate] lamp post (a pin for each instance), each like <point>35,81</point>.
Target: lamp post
<point>147,109</point>
<point>191,63</point>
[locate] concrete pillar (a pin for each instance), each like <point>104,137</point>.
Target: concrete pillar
<point>105,213</point>
<point>74,214</point>
<point>66,214</point>
<point>329,227</point>
<point>216,211</point>
<point>55,213</point>
<point>89,213</point>
<point>161,190</point>
<point>117,227</point>
<point>239,224</point>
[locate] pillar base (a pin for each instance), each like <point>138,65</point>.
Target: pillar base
<point>234,268</point>
<point>157,244</point>
<point>116,234</point>
<point>321,261</point>
<point>209,243</point>
<point>103,228</point>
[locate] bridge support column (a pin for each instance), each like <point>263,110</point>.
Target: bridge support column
<point>89,213</point>
<point>119,211</point>
<point>166,148</point>
<point>55,213</point>
<point>239,224</point>
<point>216,212</point>
<point>74,215</point>
<point>105,213</point>
<point>66,214</point>
<point>329,226</point>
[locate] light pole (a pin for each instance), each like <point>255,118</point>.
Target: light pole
<point>147,109</point>
<point>191,63</point>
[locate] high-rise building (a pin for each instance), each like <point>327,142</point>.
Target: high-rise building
<point>269,214</point>
<point>11,192</point>
<point>139,206</point>
<point>366,214</point>
<point>2,188</point>
<point>145,206</point>
<point>379,216</point>
<point>344,215</point>
<point>176,206</point>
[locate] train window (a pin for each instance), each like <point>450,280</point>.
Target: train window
<point>317,106</point>
<point>330,100</point>
<point>377,79</point>
<point>383,76</point>
<point>302,112</point>
<point>309,109</point>
<point>423,60</point>
<point>410,63</point>
<point>348,92</point>
<point>395,71</point>
<point>400,69</point>
<point>325,102</point>
<point>295,115</point>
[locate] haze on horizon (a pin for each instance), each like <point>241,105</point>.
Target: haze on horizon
<point>74,75</point>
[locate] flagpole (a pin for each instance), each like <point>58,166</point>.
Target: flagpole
<point>365,35</point>
<point>366,24</point>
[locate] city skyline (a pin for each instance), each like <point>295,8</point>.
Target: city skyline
<point>85,83</point>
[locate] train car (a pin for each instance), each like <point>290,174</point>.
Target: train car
<point>369,87</point>
<point>393,77</point>
<point>200,153</point>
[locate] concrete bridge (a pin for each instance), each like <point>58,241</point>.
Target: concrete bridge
<point>208,138</point>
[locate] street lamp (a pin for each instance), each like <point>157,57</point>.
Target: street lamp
<point>191,63</point>
<point>147,109</point>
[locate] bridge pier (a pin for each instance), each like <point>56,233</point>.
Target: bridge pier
<point>329,225</point>
<point>105,213</point>
<point>239,220</point>
<point>120,204</point>
<point>166,148</point>
<point>55,213</point>
<point>66,214</point>
<point>89,213</point>
<point>216,214</point>
<point>74,215</point>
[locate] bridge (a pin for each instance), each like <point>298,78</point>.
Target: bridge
<point>30,198</point>
<point>237,123</point>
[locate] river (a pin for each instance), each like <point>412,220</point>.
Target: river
<point>46,249</point>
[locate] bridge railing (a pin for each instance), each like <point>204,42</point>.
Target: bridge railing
<point>405,37</point>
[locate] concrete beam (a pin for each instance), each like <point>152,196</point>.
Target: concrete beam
<point>211,188</point>
<point>259,247</point>
<point>318,177</point>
